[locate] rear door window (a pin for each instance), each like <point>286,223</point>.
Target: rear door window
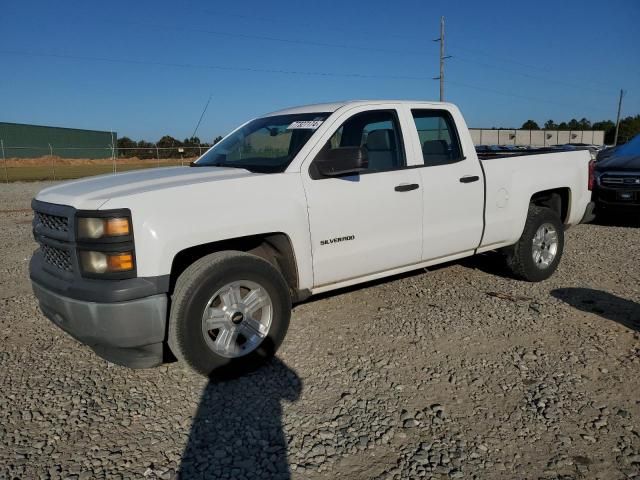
<point>439,139</point>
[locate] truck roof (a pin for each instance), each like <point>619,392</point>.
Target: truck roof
<point>333,106</point>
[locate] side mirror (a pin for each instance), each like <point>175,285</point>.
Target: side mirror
<point>339,161</point>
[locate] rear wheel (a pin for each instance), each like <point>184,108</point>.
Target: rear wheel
<point>230,312</point>
<point>538,251</point>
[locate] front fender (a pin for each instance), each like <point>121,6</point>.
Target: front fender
<point>171,220</point>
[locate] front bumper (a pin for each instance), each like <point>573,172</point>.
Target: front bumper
<point>612,199</point>
<point>129,333</point>
<point>618,207</point>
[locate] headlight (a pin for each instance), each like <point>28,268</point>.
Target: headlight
<point>106,262</point>
<point>95,228</point>
<point>105,244</point>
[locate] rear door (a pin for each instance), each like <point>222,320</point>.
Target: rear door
<point>371,222</point>
<point>453,189</point>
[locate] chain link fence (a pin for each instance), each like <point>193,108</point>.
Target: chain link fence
<point>31,163</point>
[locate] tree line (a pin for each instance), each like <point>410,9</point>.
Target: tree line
<point>629,127</point>
<point>168,147</point>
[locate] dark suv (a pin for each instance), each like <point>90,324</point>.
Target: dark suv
<point>617,174</point>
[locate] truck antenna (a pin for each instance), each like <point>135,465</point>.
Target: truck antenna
<point>201,116</point>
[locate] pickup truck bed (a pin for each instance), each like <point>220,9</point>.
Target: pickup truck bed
<point>488,154</point>
<point>507,175</point>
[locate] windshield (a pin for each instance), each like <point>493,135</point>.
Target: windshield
<point>264,145</point>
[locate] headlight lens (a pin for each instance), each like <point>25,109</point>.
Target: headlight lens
<point>105,244</point>
<point>105,262</point>
<point>94,228</point>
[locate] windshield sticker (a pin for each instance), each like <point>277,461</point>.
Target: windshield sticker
<point>305,124</point>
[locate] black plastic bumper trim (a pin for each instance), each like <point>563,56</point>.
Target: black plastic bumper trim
<point>589,214</point>
<point>128,333</point>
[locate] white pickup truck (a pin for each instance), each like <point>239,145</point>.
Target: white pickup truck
<point>204,262</point>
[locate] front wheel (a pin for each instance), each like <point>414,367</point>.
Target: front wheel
<point>230,312</point>
<point>538,251</point>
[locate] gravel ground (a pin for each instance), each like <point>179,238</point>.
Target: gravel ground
<point>459,372</point>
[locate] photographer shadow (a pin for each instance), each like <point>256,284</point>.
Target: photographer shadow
<point>237,431</point>
<point>605,304</point>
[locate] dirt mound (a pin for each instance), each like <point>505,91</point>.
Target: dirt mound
<point>49,160</point>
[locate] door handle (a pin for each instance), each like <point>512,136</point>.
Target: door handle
<point>469,178</point>
<point>406,187</point>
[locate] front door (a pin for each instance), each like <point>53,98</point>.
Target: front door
<point>371,222</point>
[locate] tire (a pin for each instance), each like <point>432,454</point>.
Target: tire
<point>211,352</point>
<point>520,257</point>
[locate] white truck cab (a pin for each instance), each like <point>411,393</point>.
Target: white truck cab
<point>203,262</point>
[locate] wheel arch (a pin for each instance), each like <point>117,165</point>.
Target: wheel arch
<point>556,199</point>
<point>274,247</point>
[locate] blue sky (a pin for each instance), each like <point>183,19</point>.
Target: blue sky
<point>146,68</point>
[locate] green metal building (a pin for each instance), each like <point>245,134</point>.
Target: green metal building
<point>32,141</point>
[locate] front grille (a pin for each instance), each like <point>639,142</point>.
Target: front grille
<point>57,257</point>
<point>621,180</point>
<point>53,229</point>
<point>53,222</point>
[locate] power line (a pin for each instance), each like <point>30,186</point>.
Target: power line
<point>294,41</point>
<point>350,31</point>
<point>211,66</point>
<point>331,28</point>
<point>513,95</point>
<point>498,58</point>
<point>538,67</point>
<point>528,75</point>
<point>354,75</point>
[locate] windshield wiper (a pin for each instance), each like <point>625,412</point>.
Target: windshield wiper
<point>251,168</point>
<point>194,164</point>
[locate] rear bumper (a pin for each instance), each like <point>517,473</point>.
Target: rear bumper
<point>129,333</point>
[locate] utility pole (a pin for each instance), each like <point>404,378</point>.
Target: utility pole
<point>442,59</point>
<point>615,138</point>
